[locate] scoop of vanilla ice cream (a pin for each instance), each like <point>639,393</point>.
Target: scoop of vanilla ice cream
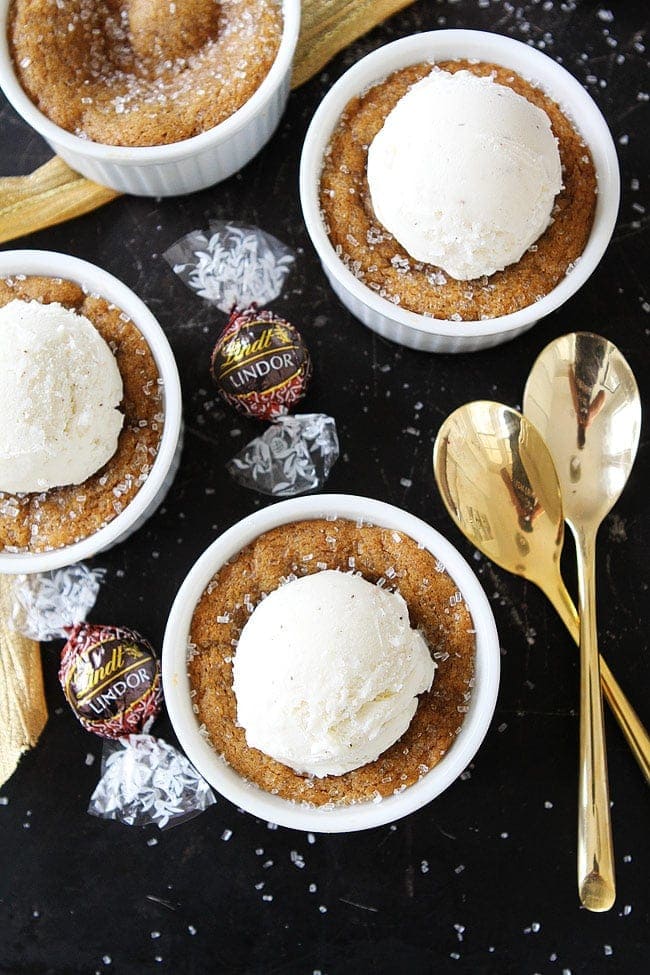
<point>59,394</point>
<point>464,173</point>
<point>327,673</point>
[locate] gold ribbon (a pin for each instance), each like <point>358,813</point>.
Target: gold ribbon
<point>55,193</point>
<point>23,711</point>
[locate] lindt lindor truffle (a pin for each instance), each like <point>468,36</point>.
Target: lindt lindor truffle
<point>110,676</point>
<point>260,364</point>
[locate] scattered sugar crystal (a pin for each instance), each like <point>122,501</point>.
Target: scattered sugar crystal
<point>401,264</point>
<point>436,278</point>
<point>297,859</point>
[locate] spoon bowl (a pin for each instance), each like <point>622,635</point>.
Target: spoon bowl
<point>583,398</point>
<point>498,483</point>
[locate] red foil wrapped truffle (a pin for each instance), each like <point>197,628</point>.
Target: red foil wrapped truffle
<point>260,364</point>
<point>110,676</point>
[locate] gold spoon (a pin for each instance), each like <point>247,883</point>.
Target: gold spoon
<point>582,397</point>
<point>472,453</point>
<point>498,482</point>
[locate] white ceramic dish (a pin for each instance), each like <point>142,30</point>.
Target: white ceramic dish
<point>152,492</point>
<point>181,167</point>
<point>407,327</point>
<point>273,808</point>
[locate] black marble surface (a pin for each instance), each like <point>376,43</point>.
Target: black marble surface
<point>483,879</point>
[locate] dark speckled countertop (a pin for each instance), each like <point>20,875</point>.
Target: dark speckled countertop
<point>482,881</point>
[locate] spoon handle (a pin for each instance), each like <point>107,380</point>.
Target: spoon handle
<point>629,722</point>
<point>637,737</point>
<point>595,854</point>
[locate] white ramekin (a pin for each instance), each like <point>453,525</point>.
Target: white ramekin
<point>181,167</point>
<point>152,492</point>
<point>338,819</point>
<point>410,328</point>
